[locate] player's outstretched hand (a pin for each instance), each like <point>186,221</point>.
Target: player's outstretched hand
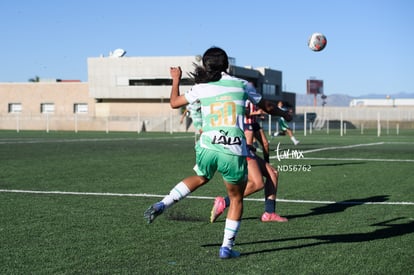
<point>175,73</point>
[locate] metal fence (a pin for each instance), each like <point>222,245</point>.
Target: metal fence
<point>361,113</point>
<point>333,117</point>
<point>77,122</point>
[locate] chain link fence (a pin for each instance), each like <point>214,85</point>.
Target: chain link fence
<point>314,117</point>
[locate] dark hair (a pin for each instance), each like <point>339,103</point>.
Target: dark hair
<point>215,61</point>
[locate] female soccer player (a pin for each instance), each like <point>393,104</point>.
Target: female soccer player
<point>253,130</point>
<point>284,127</point>
<point>222,144</point>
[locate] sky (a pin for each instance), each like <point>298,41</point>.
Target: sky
<point>370,46</point>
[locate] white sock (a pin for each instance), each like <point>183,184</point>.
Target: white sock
<point>293,139</point>
<point>230,232</point>
<point>179,192</point>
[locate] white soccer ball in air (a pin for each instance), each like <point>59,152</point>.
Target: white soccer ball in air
<point>317,42</point>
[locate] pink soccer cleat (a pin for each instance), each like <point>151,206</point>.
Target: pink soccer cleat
<point>272,217</point>
<point>218,208</point>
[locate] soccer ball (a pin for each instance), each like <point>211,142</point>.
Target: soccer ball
<point>317,42</point>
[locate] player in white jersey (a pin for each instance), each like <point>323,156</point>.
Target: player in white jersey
<point>222,144</point>
<point>258,169</point>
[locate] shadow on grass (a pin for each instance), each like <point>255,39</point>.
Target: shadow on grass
<point>391,230</point>
<point>337,164</point>
<point>182,217</point>
<point>339,206</point>
<point>326,209</point>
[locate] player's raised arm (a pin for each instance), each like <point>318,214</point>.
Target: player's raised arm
<point>176,100</point>
<point>267,105</point>
<point>272,108</point>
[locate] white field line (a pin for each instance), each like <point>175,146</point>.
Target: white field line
<point>200,197</point>
<point>190,197</point>
<point>348,147</point>
<point>343,147</point>
<point>42,140</point>
<point>361,159</point>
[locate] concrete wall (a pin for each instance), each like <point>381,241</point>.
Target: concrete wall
<point>362,116</point>
<point>109,77</point>
<point>32,95</point>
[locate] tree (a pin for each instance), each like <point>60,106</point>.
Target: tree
<point>35,79</point>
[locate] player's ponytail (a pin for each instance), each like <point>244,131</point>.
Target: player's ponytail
<point>215,61</point>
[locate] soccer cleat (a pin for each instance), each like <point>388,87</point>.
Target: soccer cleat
<point>227,253</point>
<point>272,217</point>
<point>218,208</point>
<point>153,211</point>
<point>296,142</point>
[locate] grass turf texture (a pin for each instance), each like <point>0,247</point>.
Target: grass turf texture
<point>84,234</point>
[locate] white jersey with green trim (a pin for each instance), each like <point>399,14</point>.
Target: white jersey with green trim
<point>222,111</point>
<point>195,114</point>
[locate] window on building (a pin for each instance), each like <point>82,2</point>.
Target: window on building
<point>80,108</point>
<point>47,108</point>
<point>15,107</point>
<point>158,82</point>
<point>269,89</point>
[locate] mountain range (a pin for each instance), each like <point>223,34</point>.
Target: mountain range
<point>341,100</point>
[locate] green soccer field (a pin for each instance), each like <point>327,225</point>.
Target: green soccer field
<point>73,203</point>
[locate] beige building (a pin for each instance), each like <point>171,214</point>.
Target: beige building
<point>122,94</point>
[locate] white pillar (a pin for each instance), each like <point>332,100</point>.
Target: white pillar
<point>304,124</point>
<point>107,124</point>
<point>76,122</point>
<point>138,124</point>
<point>47,123</point>
<point>269,125</point>
<point>378,124</point>
<point>17,123</point>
